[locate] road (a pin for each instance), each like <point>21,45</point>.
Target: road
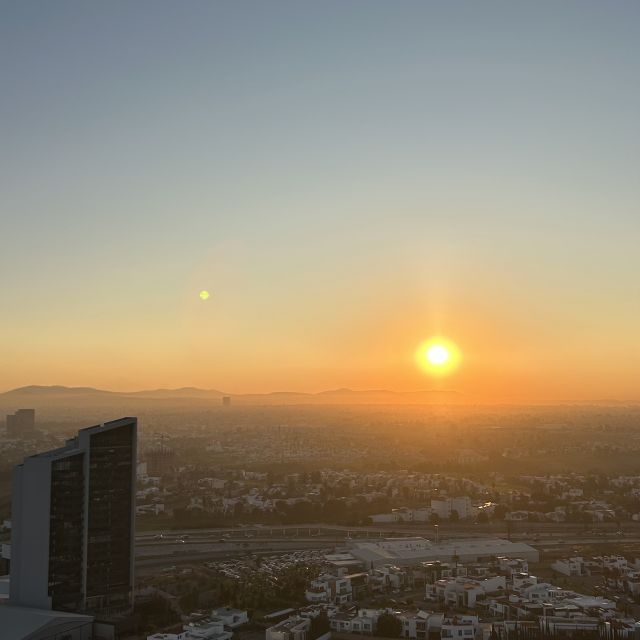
<point>157,549</point>
<point>448,529</point>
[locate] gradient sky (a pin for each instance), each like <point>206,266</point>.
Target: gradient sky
<point>347,178</point>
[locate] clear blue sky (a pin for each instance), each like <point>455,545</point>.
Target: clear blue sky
<point>345,177</point>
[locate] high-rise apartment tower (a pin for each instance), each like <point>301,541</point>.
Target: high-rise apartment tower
<point>73,523</point>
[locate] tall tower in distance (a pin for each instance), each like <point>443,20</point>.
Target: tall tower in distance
<point>73,523</point>
<point>21,423</point>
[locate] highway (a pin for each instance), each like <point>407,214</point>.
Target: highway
<point>448,529</point>
<point>156,549</point>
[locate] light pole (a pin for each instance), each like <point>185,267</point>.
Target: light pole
<point>436,527</point>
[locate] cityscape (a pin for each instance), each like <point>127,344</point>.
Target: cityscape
<point>319,320</point>
<point>298,521</point>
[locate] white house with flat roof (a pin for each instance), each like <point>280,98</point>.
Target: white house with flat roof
<point>231,618</point>
<point>294,628</point>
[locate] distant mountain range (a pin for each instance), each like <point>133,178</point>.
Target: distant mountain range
<point>59,395</point>
<point>61,398</point>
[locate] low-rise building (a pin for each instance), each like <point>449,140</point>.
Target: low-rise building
<point>18,623</point>
<point>444,508</point>
<point>415,550</point>
<point>207,628</point>
<point>390,577</point>
<point>459,627</point>
<point>574,566</point>
<point>463,591</point>
<point>231,618</point>
<point>294,628</point>
<point>334,589</point>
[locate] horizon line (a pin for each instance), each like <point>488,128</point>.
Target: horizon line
<point>465,399</point>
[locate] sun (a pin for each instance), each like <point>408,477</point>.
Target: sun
<point>438,356</point>
<point>204,295</point>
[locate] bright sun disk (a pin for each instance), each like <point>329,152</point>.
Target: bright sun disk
<point>437,354</point>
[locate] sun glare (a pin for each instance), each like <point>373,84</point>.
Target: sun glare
<point>204,295</point>
<point>438,356</point>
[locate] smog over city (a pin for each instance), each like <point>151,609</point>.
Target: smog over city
<point>319,320</point>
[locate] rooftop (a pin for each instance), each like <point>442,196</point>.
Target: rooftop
<point>21,623</point>
<point>404,550</point>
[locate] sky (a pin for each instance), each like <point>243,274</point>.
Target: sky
<point>347,178</point>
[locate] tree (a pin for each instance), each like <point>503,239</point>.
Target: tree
<point>389,626</point>
<point>154,613</point>
<point>319,625</point>
<point>189,601</point>
<point>500,511</point>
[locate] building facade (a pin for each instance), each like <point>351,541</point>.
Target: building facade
<point>73,523</point>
